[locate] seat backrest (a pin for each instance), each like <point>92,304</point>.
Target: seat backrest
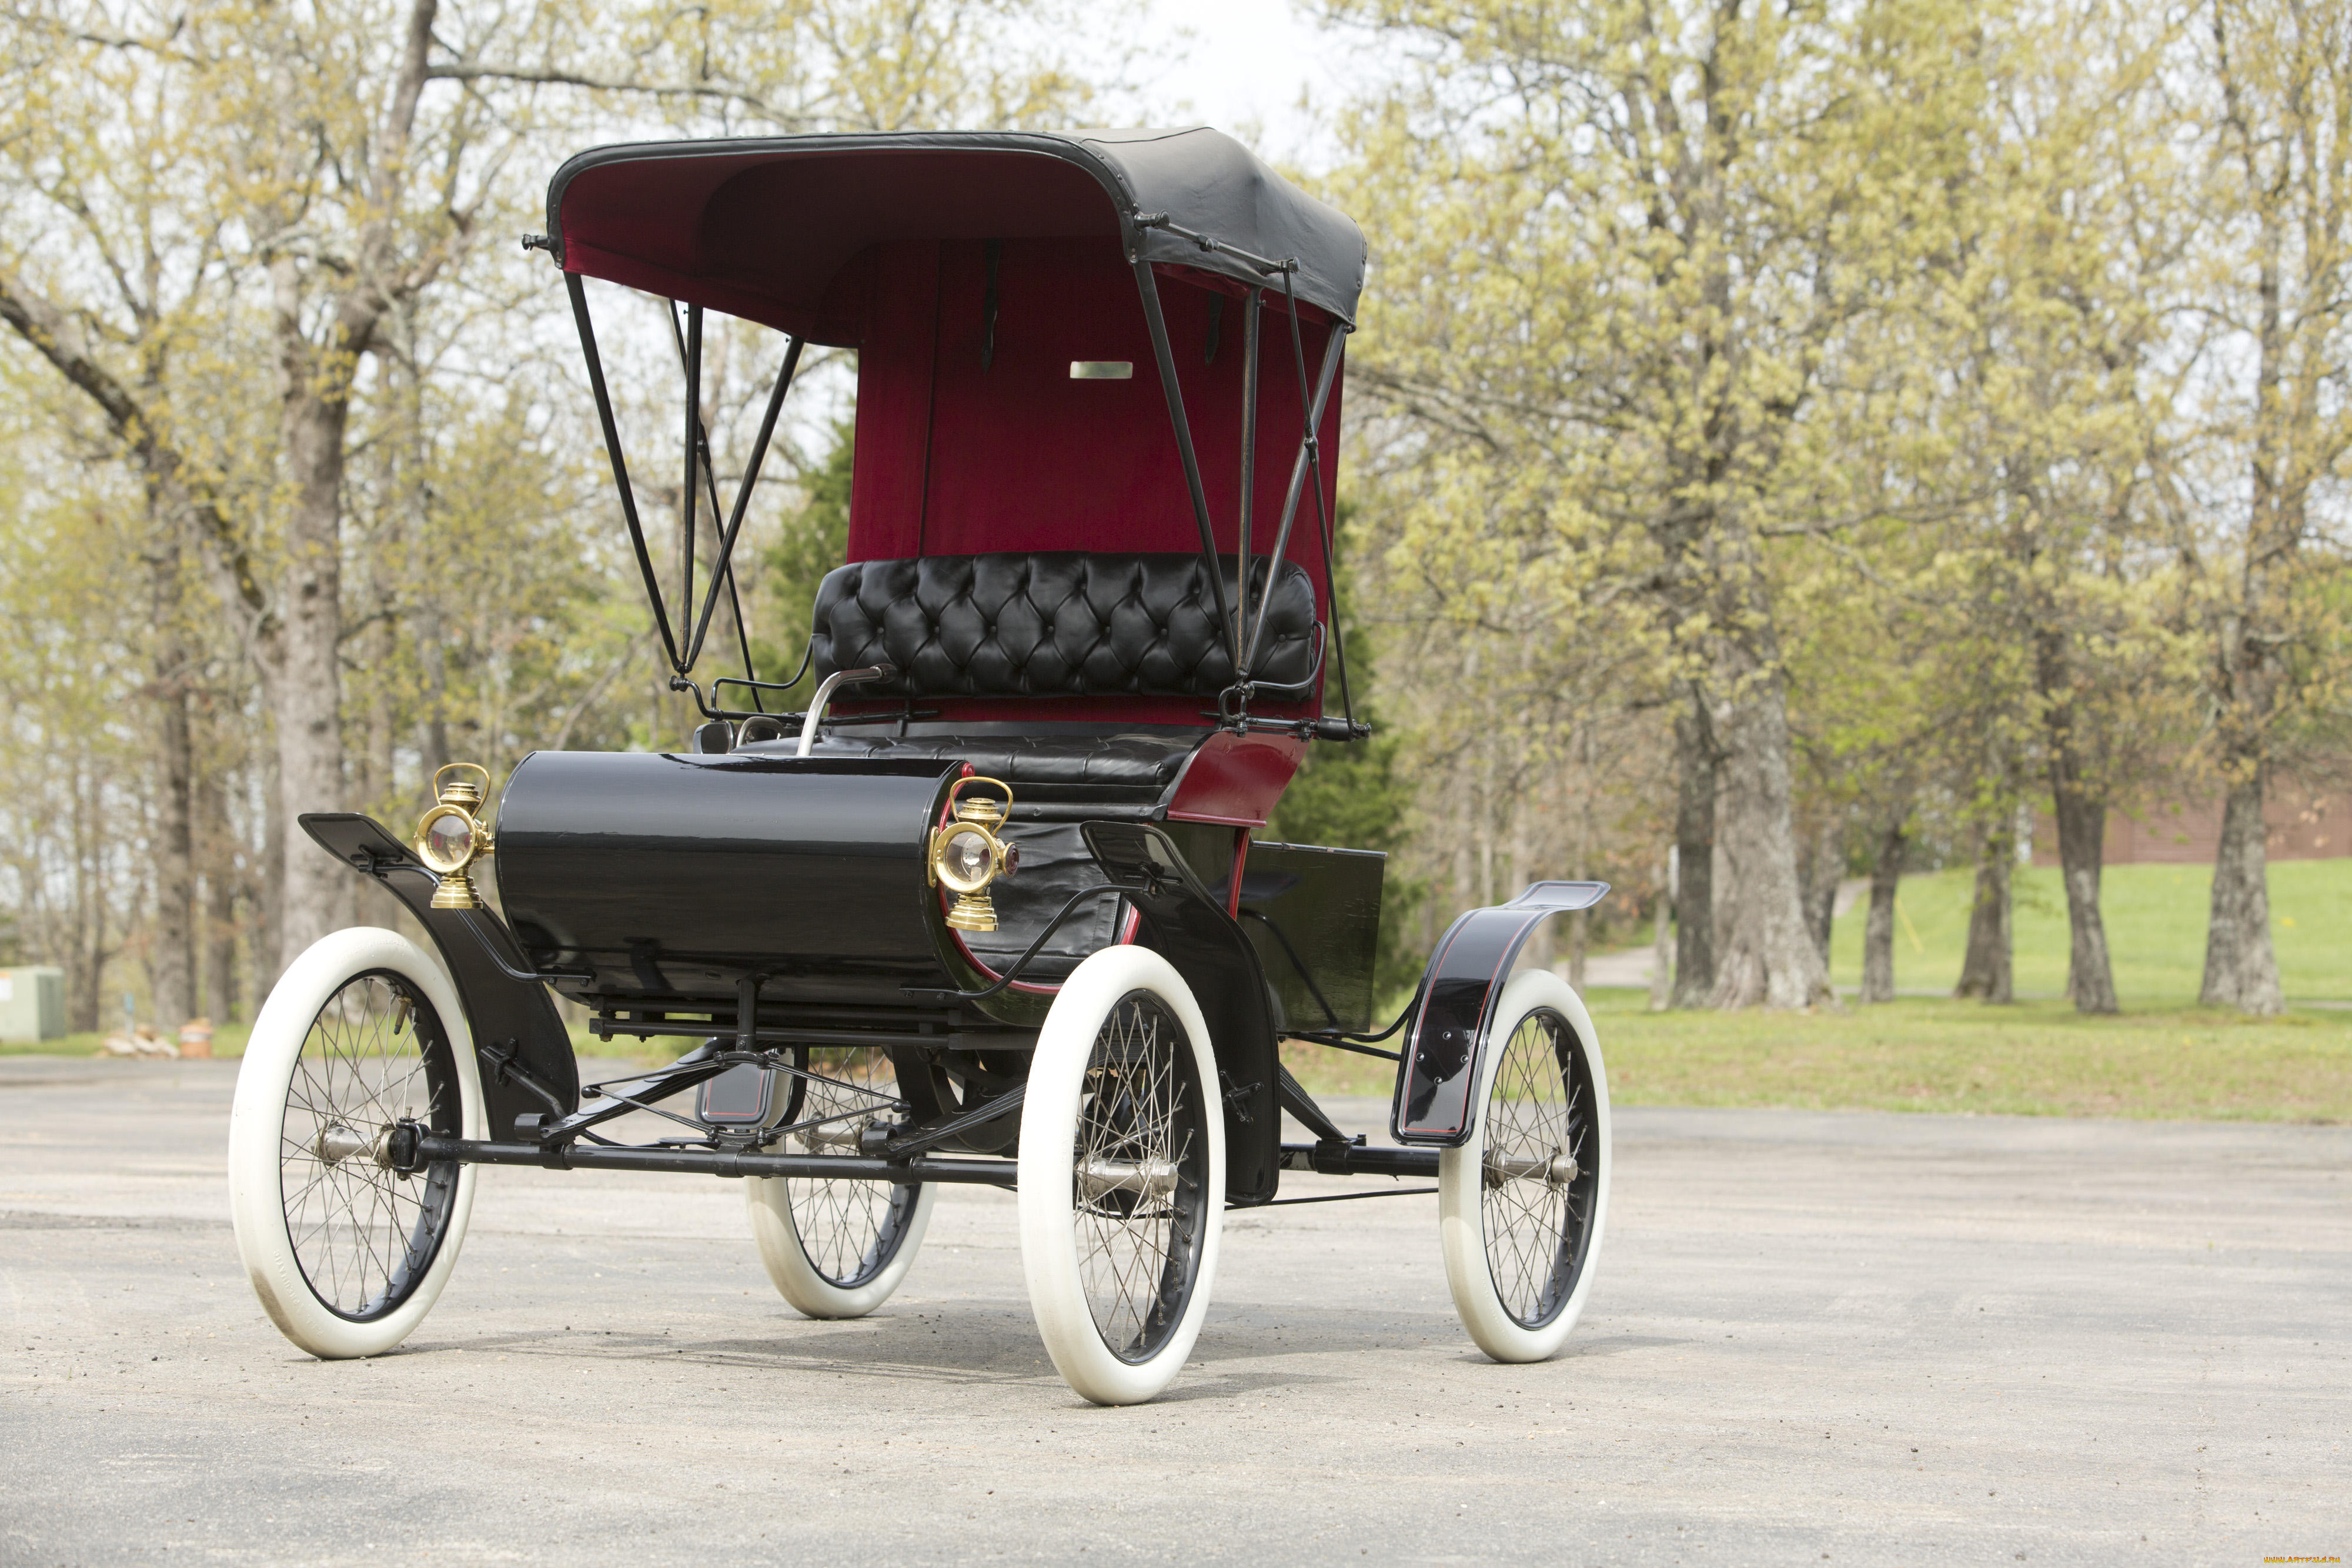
<point>1054,623</point>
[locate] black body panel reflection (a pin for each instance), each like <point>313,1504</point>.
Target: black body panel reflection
<point>1465,975</point>
<point>675,876</point>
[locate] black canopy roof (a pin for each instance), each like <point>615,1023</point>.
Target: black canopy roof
<point>760,227</point>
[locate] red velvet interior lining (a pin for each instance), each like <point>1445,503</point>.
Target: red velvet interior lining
<point>955,457</point>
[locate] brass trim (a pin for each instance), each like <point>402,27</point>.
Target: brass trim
<point>973,910</point>
<point>460,798</point>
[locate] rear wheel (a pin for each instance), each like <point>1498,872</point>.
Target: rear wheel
<point>1122,1176</point>
<point>347,1254</point>
<point>1522,1204</point>
<point>837,1249</point>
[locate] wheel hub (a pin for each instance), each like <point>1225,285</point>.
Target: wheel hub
<point>1099,1178</point>
<point>1555,1169</point>
<point>337,1143</point>
<point>838,1138</point>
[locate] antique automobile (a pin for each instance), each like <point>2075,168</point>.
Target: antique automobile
<point>992,904</point>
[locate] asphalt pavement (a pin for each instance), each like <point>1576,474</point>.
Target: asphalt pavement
<point>1840,1338</point>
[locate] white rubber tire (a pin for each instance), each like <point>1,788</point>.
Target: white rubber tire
<point>799,1282</point>
<point>256,1197</point>
<point>1461,1186</point>
<point>1049,1218</point>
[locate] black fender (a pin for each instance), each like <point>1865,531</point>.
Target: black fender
<point>517,1037</point>
<point>1459,991</point>
<point>1186,924</point>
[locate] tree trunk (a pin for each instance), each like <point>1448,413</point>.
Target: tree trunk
<point>2082,832</point>
<point>1824,867</point>
<point>267,883</point>
<point>1696,765</point>
<point>374,791</point>
<point>2240,966</point>
<point>2299,276</point>
<point>86,974</point>
<point>219,857</point>
<point>314,416</point>
<point>433,730</point>
<point>1662,949</point>
<point>172,968</point>
<point>2080,805</point>
<point>1579,924</point>
<point>1987,971</point>
<point>305,688</point>
<point>222,993</point>
<point>1771,961</point>
<point>1878,931</point>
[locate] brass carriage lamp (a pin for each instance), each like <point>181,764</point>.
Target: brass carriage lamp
<point>968,853</point>
<point>451,835</point>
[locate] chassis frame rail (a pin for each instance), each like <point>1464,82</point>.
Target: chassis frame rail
<point>1325,1158</point>
<point>1328,1158</point>
<point>715,1162</point>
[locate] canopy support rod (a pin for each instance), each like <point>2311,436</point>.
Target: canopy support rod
<point>693,480</point>
<point>572,281</point>
<point>1331,348</point>
<point>724,565</point>
<point>1309,456</point>
<point>744,504</point>
<point>1148,284</point>
<point>734,524</point>
<point>1251,324</point>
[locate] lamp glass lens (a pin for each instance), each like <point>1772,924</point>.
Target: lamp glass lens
<point>449,839</point>
<point>964,859</point>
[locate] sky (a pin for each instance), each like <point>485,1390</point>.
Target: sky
<point>1245,69</point>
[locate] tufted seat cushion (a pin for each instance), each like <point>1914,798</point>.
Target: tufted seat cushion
<point>1053,623</point>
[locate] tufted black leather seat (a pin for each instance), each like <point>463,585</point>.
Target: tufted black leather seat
<point>1053,623</point>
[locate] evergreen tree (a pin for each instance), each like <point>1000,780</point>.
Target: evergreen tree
<point>1354,797</point>
<point>815,541</point>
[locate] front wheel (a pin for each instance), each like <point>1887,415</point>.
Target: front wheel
<point>839,1248</point>
<point>1521,1206</point>
<point>346,1253</point>
<point>1122,1176</point>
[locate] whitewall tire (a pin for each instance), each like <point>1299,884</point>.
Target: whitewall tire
<point>1522,1205</point>
<point>347,1255</point>
<point>1122,1176</point>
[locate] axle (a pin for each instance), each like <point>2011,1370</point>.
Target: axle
<point>716,1162</point>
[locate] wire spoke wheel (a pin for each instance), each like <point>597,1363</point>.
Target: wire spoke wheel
<point>363,1235</point>
<point>1523,1200</point>
<point>1122,1176</point>
<point>837,1249</point>
<point>347,1253</point>
<point>1538,1173</point>
<point>1139,1188</point>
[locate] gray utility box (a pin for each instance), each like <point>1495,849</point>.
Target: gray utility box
<point>32,1005</point>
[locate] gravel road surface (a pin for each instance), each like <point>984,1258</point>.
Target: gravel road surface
<point>1815,1338</point>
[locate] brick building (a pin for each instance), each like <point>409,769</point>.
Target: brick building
<point>2307,822</point>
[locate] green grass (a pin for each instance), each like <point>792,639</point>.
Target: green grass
<point>2155,917</point>
<point>2032,1058</point>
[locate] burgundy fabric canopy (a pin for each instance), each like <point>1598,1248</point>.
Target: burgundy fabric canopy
<point>1032,315</point>
<point>766,229</point>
